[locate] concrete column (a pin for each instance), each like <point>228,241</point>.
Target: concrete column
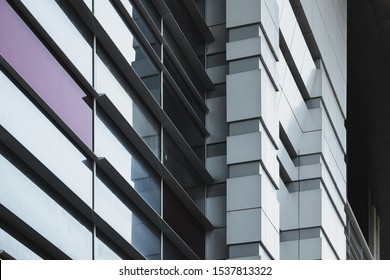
<point>252,114</point>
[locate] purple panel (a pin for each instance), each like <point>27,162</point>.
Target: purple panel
<point>30,58</point>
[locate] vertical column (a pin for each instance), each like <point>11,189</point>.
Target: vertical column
<point>252,116</point>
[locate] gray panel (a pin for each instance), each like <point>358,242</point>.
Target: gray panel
<point>217,168</point>
<point>243,65</point>
<point>221,37</point>
<point>244,226</point>
<point>243,193</point>
<point>216,248</point>
<point>215,12</point>
<point>243,48</point>
<point>244,127</point>
<point>244,32</point>
<point>244,250</point>
<point>244,169</point>
<point>243,96</point>
<point>216,211</point>
<point>216,120</point>
<point>244,148</point>
<point>242,12</point>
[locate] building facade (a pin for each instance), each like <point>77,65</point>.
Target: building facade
<point>175,129</point>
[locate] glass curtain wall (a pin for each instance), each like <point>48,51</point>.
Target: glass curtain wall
<point>43,65</point>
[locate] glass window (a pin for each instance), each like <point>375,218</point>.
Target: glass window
<point>142,24</point>
<point>183,223</point>
<point>183,171</point>
<point>114,207</point>
<point>129,46</point>
<point>184,87</point>
<point>43,139</point>
<point>65,31</point>
<point>184,61</point>
<point>27,198</point>
<point>111,144</point>
<point>152,12</point>
<point>188,26</point>
<point>183,121</point>
<point>111,82</point>
<point>34,62</point>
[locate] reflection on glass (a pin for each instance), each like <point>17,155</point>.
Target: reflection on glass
<point>188,26</point>
<point>184,224</point>
<point>26,198</point>
<point>40,69</point>
<point>142,24</point>
<point>129,46</point>
<point>65,32</point>
<point>112,205</point>
<point>152,12</point>
<point>16,249</point>
<point>183,121</point>
<point>171,252</point>
<point>31,128</point>
<point>112,83</point>
<point>184,87</point>
<point>183,61</point>
<point>111,144</point>
<point>184,172</point>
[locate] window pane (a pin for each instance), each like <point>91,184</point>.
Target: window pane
<point>142,24</point>
<point>183,223</point>
<point>65,31</point>
<point>111,144</point>
<point>152,12</point>
<point>111,82</point>
<point>16,249</point>
<point>26,197</point>
<point>184,61</point>
<point>183,121</point>
<point>129,46</point>
<point>171,252</point>
<point>184,87</point>
<point>188,26</point>
<point>104,252</point>
<point>184,172</point>
<point>112,205</point>
<point>42,138</point>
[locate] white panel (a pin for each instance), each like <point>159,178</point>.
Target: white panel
<point>270,236</point>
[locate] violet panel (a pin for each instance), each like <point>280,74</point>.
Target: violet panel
<point>31,59</point>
